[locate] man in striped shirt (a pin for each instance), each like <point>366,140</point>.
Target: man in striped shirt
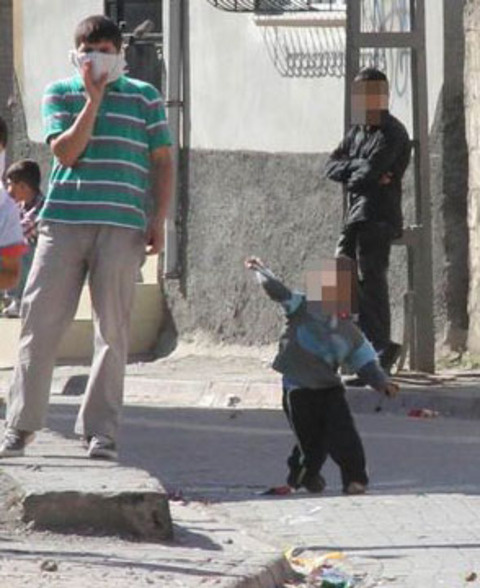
<point>109,136</point>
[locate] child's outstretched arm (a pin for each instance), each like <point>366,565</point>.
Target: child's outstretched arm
<point>277,291</point>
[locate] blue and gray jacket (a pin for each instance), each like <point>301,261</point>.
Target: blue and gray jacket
<point>313,346</point>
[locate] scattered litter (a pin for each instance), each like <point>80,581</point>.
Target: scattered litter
<point>278,491</point>
<point>471,577</point>
<point>328,570</point>
<point>233,401</point>
<point>423,413</point>
<point>34,467</point>
<point>49,565</point>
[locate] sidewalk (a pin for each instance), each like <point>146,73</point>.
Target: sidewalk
<point>191,378</point>
<point>109,523</point>
<point>429,540</point>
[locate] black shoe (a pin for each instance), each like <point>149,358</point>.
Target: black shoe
<point>355,489</point>
<point>314,484</point>
<point>390,355</point>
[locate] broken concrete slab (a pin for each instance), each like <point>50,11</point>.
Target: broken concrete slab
<point>62,490</point>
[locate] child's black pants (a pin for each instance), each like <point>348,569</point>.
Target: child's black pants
<point>323,425</point>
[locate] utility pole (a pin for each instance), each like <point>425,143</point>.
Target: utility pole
<point>173,16</point>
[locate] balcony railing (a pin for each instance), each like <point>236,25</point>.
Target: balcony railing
<point>278,6</point>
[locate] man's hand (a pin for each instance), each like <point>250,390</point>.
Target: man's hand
<point>94,89</point>
<point>391,389</point>
<point>253,263</point>
<point>154,237</point>
<point>69,145</point>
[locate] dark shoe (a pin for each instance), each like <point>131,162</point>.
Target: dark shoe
<point>102,447</point>
<point>390,355</point>
<point>14,442</point>
<point>355,489</point>
<point>314,484</point>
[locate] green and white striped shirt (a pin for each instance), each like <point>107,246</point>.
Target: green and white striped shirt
<point>109,184</point>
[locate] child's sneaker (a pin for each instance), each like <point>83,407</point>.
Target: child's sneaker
<point>102,447</point>
<point>14,442</point>
<point>314,484</point>
<point>355,488</point>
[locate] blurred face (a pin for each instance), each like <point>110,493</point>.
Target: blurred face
<point>104,59</point>
<point>369,101</point>
<point>19,191</point>
<point>331,287</point>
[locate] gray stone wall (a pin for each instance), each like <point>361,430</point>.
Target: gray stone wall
<point>451,181</point>
<point>276,206</point>
<point>472,104</point>
<point>280,206</point>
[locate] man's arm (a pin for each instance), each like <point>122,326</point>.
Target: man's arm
<point>379,163</point>
<point>161,185</point>
<point>69,145</point>
<point>10,270</point>
<point>340,165</point>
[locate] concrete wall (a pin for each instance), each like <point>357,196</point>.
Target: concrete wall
<point>254,182</point>
<point>252,178</point>
<point>242,97</point>
<point>43,37</point>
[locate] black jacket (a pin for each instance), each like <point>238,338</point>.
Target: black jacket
<point>362,158</point>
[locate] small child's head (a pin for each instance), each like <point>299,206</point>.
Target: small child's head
<point>23,180</point>
<point>331,287</point>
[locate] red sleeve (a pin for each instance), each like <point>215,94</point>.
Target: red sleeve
<point>14,250</point>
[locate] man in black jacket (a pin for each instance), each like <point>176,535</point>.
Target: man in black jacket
<point>370,162</point>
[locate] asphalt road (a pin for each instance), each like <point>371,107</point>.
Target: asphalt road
<point>234,454</point>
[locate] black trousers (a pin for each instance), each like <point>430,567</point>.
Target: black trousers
<point>368,244</point>
<point>323,426</point>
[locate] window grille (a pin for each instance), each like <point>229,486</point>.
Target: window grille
<point>278,6</point>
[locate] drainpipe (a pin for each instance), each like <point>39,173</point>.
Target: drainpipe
<point>173,17</point>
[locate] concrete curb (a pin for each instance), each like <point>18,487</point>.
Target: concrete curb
<point>460,400</point>
<point>274,574</point>
<point>62,490</point>
<point>99,497</point>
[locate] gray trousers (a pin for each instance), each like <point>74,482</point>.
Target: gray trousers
<point>65,255</point>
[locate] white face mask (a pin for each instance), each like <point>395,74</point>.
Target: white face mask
<point>113,64</point>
